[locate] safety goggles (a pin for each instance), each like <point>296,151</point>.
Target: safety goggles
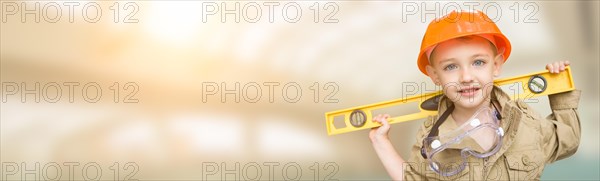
<point>480,136</point>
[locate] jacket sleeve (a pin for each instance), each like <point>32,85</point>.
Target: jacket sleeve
<point>561,130</point>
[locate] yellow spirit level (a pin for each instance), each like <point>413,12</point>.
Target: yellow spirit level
<point>531,85</point>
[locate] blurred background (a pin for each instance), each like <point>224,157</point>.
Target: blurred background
<point>156,64</point>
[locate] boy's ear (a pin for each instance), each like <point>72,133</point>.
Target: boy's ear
<point>498,62</point>
<point>432,75</point>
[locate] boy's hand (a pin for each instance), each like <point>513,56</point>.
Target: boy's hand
<point>557,67</point>
<point>380,133</point>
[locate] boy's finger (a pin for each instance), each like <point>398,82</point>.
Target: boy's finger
<point>379,119</point>
<point>376,118</point>
<point>556,67</point>
<point>386,116</point>
<point>567,62</point>
<point>384,122</point>
<point>549,67</point>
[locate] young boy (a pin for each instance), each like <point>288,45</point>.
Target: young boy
<point>479,133</point>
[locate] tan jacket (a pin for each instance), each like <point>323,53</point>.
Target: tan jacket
<point>529,142</point>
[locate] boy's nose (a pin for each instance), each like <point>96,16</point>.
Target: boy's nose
<point>465,76</point>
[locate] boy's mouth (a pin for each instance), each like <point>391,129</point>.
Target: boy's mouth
<point>468,91</point>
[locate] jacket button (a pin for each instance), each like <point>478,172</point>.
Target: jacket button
<point>525,160</point>
<point>428,122</point>
<point>522,105</point>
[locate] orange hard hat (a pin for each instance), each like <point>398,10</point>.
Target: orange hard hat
<point>459,24</point>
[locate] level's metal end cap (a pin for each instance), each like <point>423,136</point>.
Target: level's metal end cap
<point>432,103</point>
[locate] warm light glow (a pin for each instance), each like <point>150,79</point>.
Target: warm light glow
<point>276,137</point>
<point>140,134</point>
<point>209,133</point>
<point>174,22</point>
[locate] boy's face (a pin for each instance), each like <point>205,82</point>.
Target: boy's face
<point>465,68</point>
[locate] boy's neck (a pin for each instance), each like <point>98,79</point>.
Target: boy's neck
<point>462,114</point>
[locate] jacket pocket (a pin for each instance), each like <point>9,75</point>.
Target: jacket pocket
<point>524,165</point>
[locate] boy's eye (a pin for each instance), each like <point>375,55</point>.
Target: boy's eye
<point>478,62</point>
<point>450,67</point>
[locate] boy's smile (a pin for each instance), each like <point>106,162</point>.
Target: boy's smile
<point>465,68</point>
<point>469,91</point>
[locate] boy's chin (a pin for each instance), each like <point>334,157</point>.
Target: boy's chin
<point>469,103</point>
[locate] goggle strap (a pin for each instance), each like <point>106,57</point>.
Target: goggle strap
<point>434,130</point>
